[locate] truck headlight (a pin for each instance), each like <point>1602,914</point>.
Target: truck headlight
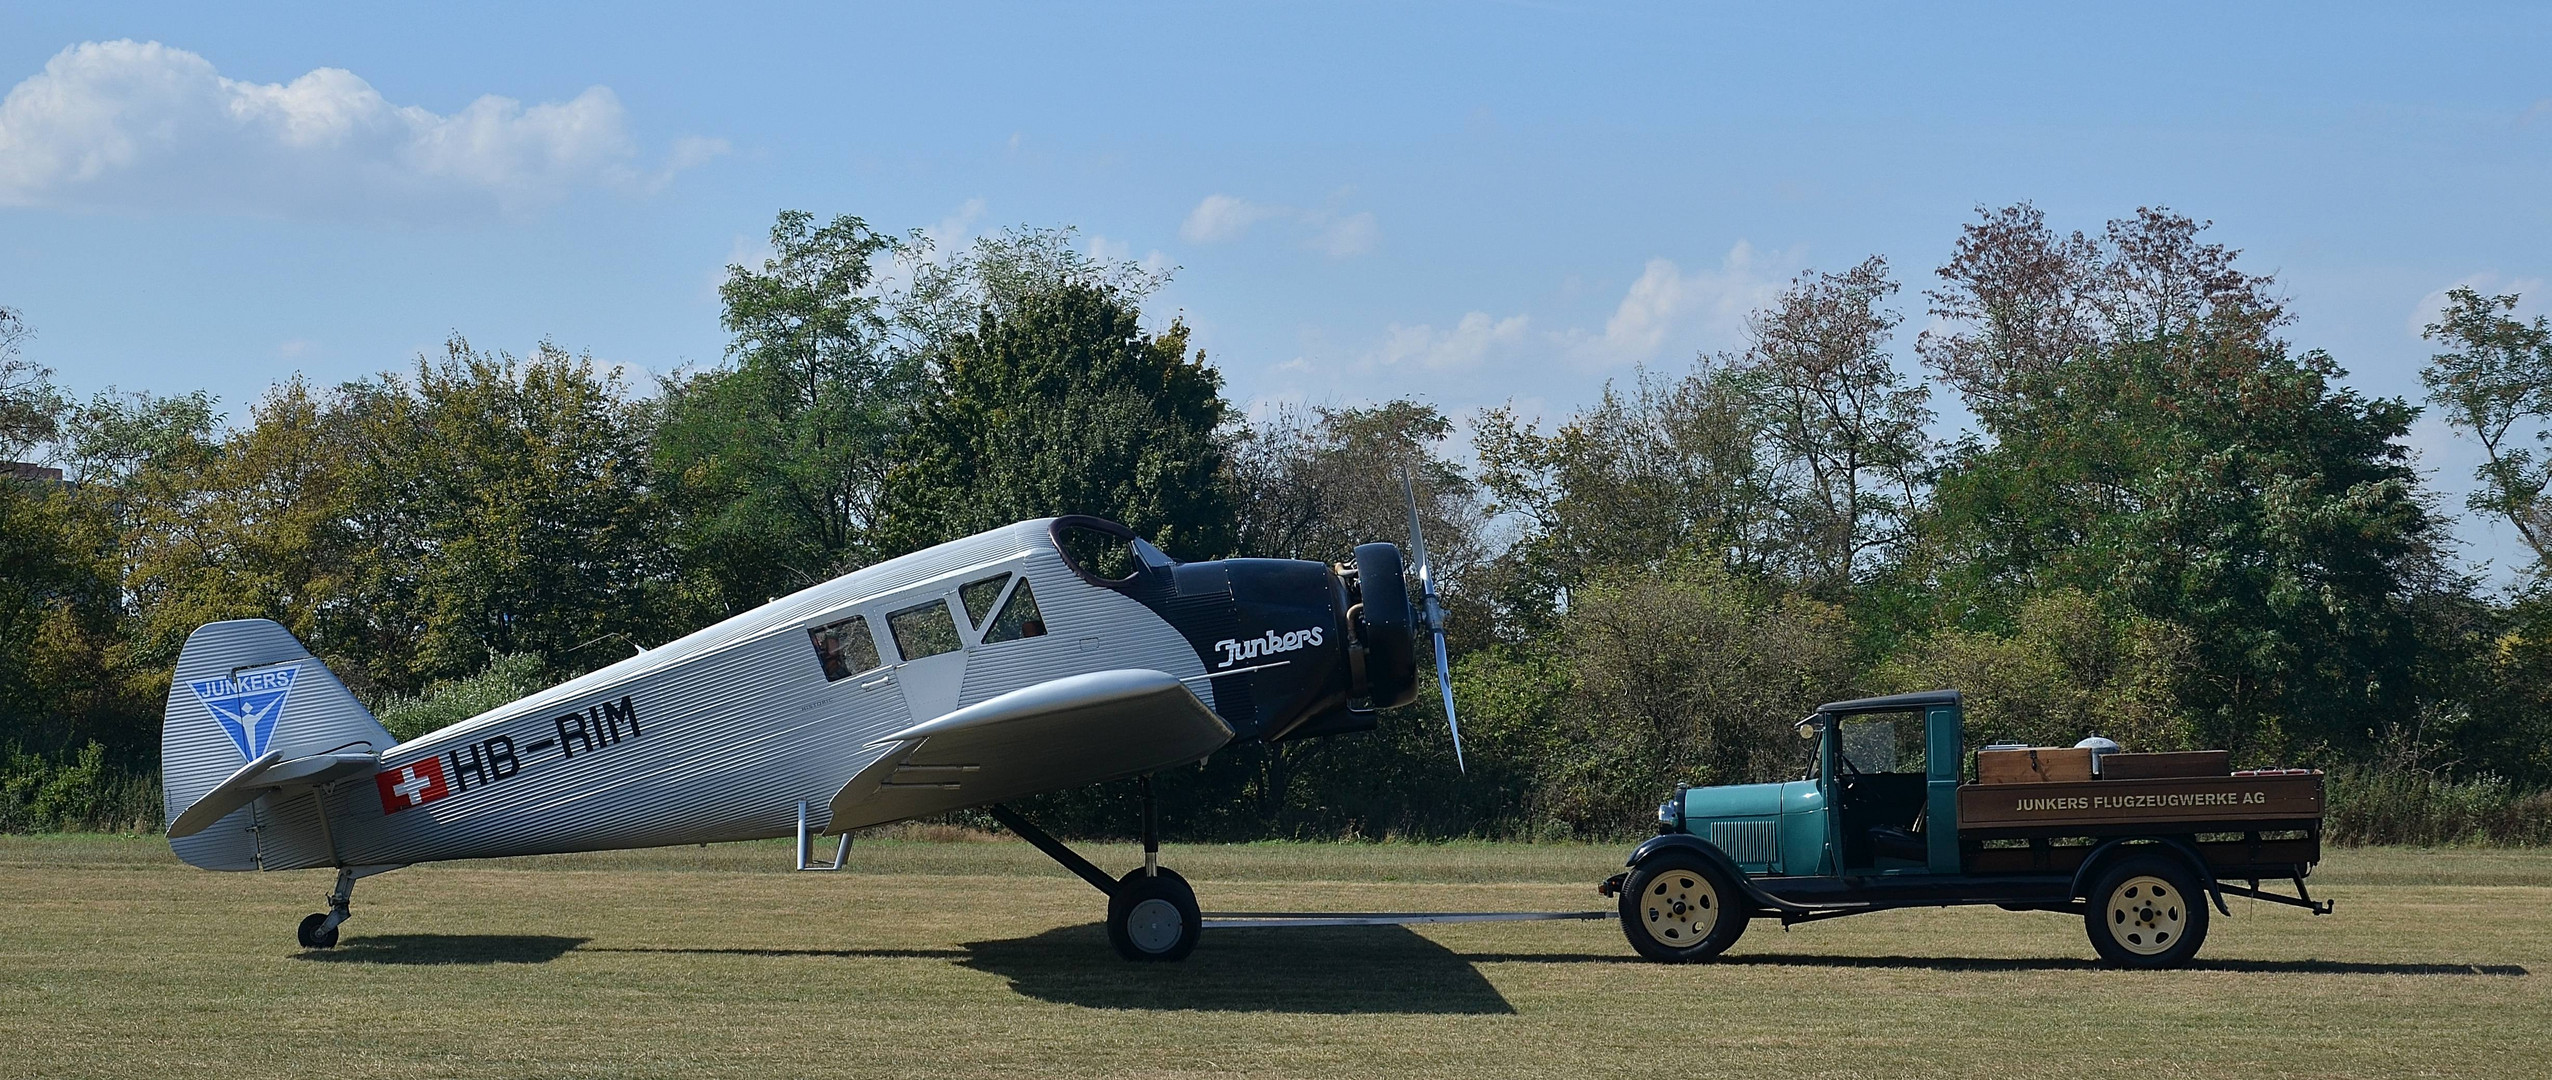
<point>1666,812</point>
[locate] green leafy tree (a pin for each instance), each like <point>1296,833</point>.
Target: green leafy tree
<point>30,407</point>
<point>2494,382</point>
<point>511,509</point>
<point>1664,469</point>
<point>61,625</point>
<point>2181,462</point>
<point>1065,405</point>
<point>1837,420</point>
<point>410,527</point>
<point>776,463</point>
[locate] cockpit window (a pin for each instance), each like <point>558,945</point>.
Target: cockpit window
<point>845,648</point>
<point>1018,619</point>
<point>1098,554</point>
<point>924,630</point>
<point>979,597</point>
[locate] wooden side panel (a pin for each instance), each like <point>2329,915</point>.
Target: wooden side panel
<point>2122,802</point>
<point>2180,763</point>
<point>2037,765</point>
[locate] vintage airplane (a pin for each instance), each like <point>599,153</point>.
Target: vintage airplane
<point>1042,656</point>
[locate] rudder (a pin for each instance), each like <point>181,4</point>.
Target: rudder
<point>243,689</point>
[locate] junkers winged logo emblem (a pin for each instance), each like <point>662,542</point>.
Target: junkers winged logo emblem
<point>247,704</point>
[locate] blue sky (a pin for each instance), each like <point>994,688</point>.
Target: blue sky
<point>1470,204</point>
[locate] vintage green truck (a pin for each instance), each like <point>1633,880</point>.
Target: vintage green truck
<point>1894,812</point>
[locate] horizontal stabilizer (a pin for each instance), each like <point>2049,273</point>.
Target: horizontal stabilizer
<point>1063,733</point>
<point>268,775</point>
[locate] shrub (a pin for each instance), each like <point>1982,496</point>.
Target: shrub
<point>443,704</point>
<point>2369,805</point>
<point>80,792</point>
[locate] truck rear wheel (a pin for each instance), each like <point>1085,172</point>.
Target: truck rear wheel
<point>1678,906</point>
<point>2146,912</point>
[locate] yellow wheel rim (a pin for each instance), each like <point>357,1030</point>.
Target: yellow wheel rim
<point>1679,909</point>
<point>2147,915</point>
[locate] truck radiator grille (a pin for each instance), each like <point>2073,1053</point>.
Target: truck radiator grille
<point>1744,841</point>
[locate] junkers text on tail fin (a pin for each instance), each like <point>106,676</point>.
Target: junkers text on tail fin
<point>255,738</point>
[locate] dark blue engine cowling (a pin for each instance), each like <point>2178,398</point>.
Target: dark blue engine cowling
<point>1288,661</point>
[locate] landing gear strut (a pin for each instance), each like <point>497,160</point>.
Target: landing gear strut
<point>1152,913</point>
<point>319,931</point>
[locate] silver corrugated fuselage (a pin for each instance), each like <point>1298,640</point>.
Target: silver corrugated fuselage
<point>719,735</point>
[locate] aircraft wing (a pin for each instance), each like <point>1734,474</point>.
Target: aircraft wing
<point>268,775</point>
<point>1063,733</point>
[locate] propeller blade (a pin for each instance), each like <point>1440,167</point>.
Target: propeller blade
<point>1444,679</point>
<point>1418,546</point>
<point>1433,612</point>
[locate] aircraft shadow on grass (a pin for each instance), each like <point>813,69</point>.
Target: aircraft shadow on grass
<point>447,949</point>
<point>1361,969</point>
<point>1358,969</point>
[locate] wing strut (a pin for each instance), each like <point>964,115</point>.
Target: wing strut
<point>1054,849</point>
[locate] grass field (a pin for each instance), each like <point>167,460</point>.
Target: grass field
<point>931,960</point>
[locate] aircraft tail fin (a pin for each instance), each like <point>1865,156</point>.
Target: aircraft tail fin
<point>257,724</point>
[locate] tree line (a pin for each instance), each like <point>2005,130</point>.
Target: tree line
<point>2167,524</point>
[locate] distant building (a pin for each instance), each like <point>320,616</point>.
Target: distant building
<point>21,470</point>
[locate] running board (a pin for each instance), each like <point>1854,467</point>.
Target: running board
<point>1268,920</point>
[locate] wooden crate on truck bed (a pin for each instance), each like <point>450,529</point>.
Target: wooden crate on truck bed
<point>2033,765</point>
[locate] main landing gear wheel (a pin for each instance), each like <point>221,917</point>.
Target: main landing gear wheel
<point>1154,917</point>
<point>315,933</point>
<point>2146,912</point>
<point>1678,907</point>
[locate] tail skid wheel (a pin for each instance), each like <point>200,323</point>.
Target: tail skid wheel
<point>1154,917</point>
<point>1678,907</point>
<point>2146,912</point>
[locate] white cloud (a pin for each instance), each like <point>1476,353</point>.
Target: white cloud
<point>1666,307</point>
<point>1220,218</point>
<point>1463,347</point>
<point>953,233</point>
<point>1224,217</point>
<point>1346,237</point>
<point>1107,250</point>
<point>2488,283</point>
<point>142,126</point>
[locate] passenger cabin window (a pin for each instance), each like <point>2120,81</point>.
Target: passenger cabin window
<point>845,648</point>
<point>924,630</point>
<point>1018,619</point>
<point>979,597</point>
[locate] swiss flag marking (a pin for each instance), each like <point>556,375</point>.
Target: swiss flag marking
<point>411,785</point>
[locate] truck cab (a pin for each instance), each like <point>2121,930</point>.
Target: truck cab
<point>1894,811</point>
<point>1882,771</point>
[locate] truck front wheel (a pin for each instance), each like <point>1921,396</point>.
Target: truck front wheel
<point>1679,907</point>
<point>2146,912</point>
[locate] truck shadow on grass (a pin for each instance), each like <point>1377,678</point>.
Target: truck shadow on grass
<point>1360,969</point>
<point>446,949</point>
<point>2057,963</point>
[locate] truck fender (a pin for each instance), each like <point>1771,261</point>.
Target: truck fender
<point>2096,862</point>
<point>1710,851</point>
